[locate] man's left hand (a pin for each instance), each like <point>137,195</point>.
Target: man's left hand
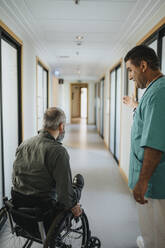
<point>140,190</point>
<point>76,210</point>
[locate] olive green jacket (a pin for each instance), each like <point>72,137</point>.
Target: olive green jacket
<point>42,168</point>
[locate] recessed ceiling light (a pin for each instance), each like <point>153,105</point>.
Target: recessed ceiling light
<point>56,73</point>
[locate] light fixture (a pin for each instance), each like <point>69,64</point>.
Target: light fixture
<point>56,73</point>
<point>79,37</point>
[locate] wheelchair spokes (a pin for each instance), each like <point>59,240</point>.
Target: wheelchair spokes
<point>74,234</point>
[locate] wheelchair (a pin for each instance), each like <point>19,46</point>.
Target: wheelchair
<point>24,228</point>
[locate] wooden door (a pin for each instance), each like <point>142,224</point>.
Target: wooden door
<point>76,101</point>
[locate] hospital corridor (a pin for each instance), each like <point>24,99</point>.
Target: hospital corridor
<point>69,56</point>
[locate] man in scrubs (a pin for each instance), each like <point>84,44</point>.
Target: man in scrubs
<point>147,156</point>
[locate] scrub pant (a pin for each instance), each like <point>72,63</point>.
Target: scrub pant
<point>152,223</point>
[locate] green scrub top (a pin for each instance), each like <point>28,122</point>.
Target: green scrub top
<point>148,130</point>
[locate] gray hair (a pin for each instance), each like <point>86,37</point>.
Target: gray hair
<point>53,117</point>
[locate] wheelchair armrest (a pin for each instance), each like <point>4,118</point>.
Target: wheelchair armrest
<point>8,204</point>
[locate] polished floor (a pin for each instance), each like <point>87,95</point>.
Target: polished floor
<point>106,199</point>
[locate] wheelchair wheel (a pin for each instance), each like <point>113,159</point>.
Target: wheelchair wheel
<point>74,234</point>
<point>12,240</point>
<point>94,242</point>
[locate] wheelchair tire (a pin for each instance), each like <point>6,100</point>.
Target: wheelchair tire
<point>73,232</point>
<point>94,242</point>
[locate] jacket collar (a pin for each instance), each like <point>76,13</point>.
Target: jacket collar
<point>45,133</point>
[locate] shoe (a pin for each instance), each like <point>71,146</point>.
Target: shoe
<point>140,242</point>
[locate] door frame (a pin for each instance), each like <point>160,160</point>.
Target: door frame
<point>114,68</point>
<point>80,85</point>
<point>44,68</point>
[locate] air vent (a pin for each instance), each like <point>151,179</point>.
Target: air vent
<point>64,57</point>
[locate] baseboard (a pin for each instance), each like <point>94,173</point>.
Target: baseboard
<point>124,176</point>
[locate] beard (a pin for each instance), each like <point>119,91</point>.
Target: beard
<point>141,82</point>
<point>61,136</point>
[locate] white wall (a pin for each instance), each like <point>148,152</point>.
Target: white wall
<point>51,77</point>
<point>91,102</point>
<point>54,89</point>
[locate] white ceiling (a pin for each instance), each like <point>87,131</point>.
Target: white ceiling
<point>104,25</point>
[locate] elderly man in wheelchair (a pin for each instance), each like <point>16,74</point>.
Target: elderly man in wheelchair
<point>45,207</point>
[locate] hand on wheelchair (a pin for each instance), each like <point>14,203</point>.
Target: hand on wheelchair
<point>76,210</point>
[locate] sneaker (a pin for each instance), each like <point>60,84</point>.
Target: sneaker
<point>140,242</point>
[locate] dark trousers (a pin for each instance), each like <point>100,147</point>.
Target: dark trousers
<point>50,206</point>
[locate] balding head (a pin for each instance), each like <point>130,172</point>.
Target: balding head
<point>53,117</point>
